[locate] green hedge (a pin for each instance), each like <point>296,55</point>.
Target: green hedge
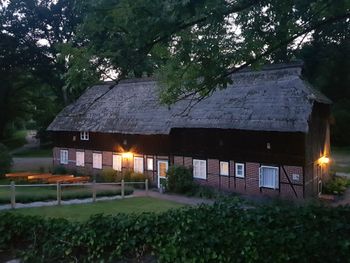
<point>221,233</point>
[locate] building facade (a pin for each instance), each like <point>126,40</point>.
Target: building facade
<point>266,134</point>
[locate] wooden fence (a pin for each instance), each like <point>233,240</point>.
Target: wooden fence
<point>59,186</point>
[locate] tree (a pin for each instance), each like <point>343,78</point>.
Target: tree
<point>194,46</point>
<point>30,62</point>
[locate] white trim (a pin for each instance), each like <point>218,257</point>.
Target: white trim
<point>117,162</point>
<point>275,182</point>
<point>150,164</point>
<point>84,136</point>
<point>97,160</point>
<point>138,161</point>
<point>236,170</point>
<point>224,173</point>
<point>63,156</point>
<point>80,158</point>
<point>158,170</point>
<point>199,168</point>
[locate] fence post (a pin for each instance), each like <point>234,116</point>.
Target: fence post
<point>94,191</point>
<point>123,188</point>
<point>13,195</point>
<point>146,186</point>
<point>59,194</point>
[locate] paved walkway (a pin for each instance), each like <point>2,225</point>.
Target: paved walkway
<point>345,200</point>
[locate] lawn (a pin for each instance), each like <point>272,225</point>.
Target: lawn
<point>34,152</point>
<point>18,139</point>
<point>32,194</point>
<point>82,212</point>
<point>341,160</point>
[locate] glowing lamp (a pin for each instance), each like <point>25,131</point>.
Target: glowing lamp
<point>127,155</point>
<point>323,160</point>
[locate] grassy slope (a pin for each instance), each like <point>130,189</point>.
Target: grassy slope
<point>35,152</point>
<point>341,157</point>
<point>84,211</point>
<point>17,140</point>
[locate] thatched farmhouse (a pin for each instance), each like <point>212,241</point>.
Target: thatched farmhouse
<point>266,134</point>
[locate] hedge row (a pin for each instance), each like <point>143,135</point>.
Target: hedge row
<point>221,233</point>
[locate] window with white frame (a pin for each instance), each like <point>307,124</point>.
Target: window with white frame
<point>150,164</point>
<point>97,160</point>
<point>224,168</point>
<point>268,177</point>
<point>117,162</point>
<point>239,170</point>
<point>200,169</point>
<point>84,136</point>
<point>80,158</point>
<point>138,164</point>
<point>63,156</point>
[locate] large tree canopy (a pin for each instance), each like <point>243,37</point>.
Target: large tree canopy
<point>193,46</point>
<point>31,71</point>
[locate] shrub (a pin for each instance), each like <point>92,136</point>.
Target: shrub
<point>223,232</point>
<point>337,185</point>
<point>179,179</point>
<point>5,160</point>
<point>59,170</point>
<point>109,175</point>
<point>205,192</point>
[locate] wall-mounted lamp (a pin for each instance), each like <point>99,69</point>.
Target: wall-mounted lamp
<point>127,155</point>
<point>323,160</point>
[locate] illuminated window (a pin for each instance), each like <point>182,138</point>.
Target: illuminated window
<point>80,158</point>
<point>117,162</point>
<point>63,156</point>
<point>97,160</point>
<point>84,136</point>
<point>268,177</point>
<point>239,170</point>
<point>150,164</point>
<point>224,170</point>
<point>138,164</point>
<point>200,169</point>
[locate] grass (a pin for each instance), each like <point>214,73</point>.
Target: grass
<point>34,152</point>
<point>82,212</point>
<point>32,194</point>
<point>341,156</point>
<point>18,139</point>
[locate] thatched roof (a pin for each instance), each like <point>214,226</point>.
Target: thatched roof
<point>273,99</point>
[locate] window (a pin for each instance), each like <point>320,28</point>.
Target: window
<point>80,158</point>
<point>138,164</point>
<point>63,156</point>
<point>224,170</point>
<point>84,136</point>
<point>200,169</point>
<point>150,164</point>
<point>268,177</point>
<point>239,170</point>
<point>117,162</point>
<point>97,160</point>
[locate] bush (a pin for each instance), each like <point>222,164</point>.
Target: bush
<point>5,160</point>
<point>337,185</point>
<point>59,170</point>
<point>202,191</point>
<point>223,232</point>
<point>180,179</point>
<point>109,175</point>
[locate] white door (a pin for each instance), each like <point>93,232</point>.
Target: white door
<point>162,169</point>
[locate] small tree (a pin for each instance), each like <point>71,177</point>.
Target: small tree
<point>5,160</point>
<point>180,179</point>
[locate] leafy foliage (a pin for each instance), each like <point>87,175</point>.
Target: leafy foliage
<point>179,179</point>
<point>337,185</point>
<point>5,160</point>
<point>223,232</point>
